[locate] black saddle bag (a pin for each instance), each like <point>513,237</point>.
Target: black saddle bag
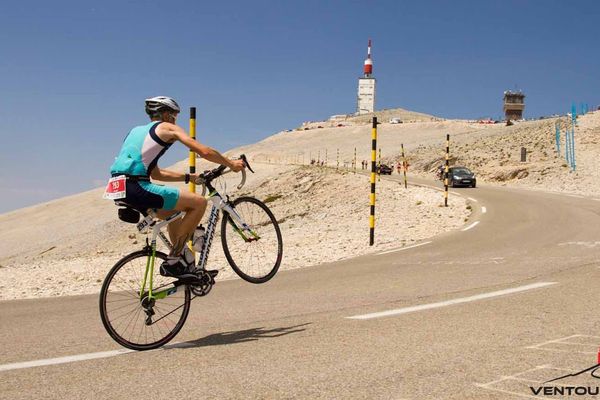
<point>129,215</point>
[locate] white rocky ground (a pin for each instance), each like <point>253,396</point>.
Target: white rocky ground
<point>323,213</point>
<point>66,246</point>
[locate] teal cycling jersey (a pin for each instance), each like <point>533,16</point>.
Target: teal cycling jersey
<point>139,155</point>
<point>140,151</point>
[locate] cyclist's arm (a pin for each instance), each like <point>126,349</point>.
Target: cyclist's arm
<point>164,175</point>
<point>172,132</point>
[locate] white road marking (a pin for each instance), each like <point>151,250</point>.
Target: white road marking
<point>552,341</point>
<point>473,225</point>
<point>576,196</point>
<point>507,377</point>
<point>63,360</point>
<point>472,199</point>
<point>84,357</point>
<point>483,210</point>
<point>570,351</point>
<point>404,248</point>
<point>515,377</point>
<point>461,300</point>
<point>588,245</point>
<point>566,341</point>
<point>593,345</point>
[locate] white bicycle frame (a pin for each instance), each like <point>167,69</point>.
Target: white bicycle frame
<point>218,204</point>
<point>152,222</point>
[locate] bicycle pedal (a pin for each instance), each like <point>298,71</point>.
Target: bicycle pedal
<point>189,280</point>
<point>211,274</point>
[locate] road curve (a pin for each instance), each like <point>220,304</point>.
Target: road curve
<point>293,338</point>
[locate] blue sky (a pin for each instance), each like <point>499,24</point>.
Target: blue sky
<point>73,74</point>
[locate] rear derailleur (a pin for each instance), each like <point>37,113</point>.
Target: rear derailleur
<point>148,306</point>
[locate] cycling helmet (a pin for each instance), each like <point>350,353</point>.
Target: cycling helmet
<point>158,104</point>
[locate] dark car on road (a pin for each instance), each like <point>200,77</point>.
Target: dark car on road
<point>461,176</point>
<point>384,169</point>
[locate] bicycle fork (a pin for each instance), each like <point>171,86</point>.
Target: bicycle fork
<point>235,220</point>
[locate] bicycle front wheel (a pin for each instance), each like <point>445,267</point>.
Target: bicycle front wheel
<point>131,317</point>
<point>254,254</point>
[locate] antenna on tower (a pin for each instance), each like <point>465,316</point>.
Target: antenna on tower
<point>368,67</point>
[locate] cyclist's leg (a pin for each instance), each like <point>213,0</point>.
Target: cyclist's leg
<point>174,227</point>
<point>194,207</point>
<point>178,200</point>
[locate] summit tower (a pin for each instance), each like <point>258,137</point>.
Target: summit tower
<point>366,87</point>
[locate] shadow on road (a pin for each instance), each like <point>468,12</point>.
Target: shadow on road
<point>232,337</point>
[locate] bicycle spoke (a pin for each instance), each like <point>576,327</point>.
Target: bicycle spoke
<point>123,308</point>
<point>254,260</point>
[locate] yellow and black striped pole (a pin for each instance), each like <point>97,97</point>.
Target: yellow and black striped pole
<point>354,162</point>
<point>446,172</point>
<point>192,160</point>
<point>373,172</point>
<point>326,157</point>
<point>319,158</point>
<point>379,167</point>
<point>192,184</point>
<point>404,165</point>
<point>337,159</point>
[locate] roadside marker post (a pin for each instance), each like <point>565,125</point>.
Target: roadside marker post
<point>557,134</point>
<point>192,184</point>
<point>567,145</point>
<point>573,124</point>
<point>446,172</point>
<point>373,171</point>
<point>404,165</point>
<point>379,168</point>
<point>354,162</point>
<point>192,162</point>
<point>337,159</point>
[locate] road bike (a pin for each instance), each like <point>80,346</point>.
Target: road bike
<point>143,310</point>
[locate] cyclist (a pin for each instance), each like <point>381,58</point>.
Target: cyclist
<point>138,159</point>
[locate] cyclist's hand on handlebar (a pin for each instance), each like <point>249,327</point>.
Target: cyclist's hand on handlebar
<point>198,180</point>
<point>237,165</point>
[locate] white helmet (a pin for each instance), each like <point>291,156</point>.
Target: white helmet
<point>161,103</point>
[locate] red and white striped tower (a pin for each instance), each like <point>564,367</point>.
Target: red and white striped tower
<point>366,87</point>
<point>368,68</point>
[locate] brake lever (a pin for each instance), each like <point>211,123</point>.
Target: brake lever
<point>243,157</point>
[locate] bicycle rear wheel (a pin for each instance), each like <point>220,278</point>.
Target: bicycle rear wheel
<point>254,257</point>
<point>130,317</point>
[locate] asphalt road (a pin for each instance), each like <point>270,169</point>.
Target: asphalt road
<point>482,331</point>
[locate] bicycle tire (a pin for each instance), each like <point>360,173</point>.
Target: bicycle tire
<point>127,290</point>
<point>239,252</point>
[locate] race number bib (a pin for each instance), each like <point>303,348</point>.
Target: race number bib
<point>115,188</point>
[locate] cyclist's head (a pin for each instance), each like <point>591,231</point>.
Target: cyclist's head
<point>162,107</point>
